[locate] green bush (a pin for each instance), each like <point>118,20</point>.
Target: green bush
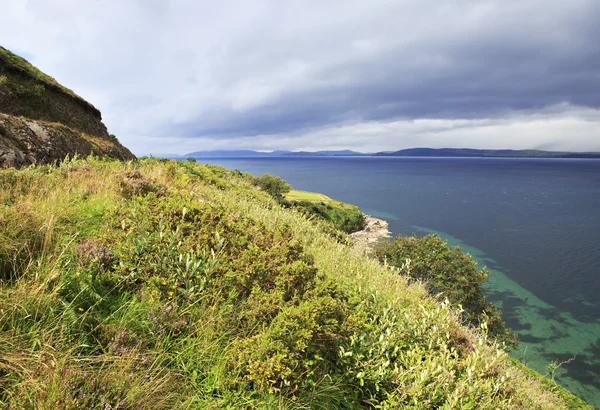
<point>448,273</point>
<point>299,348</point>
<point>345,217</point>
<point>274,186</point>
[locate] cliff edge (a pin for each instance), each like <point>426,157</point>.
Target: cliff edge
<point>42,121</point>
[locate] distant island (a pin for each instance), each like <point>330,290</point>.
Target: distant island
<point>411,152</point>
<point>487,153</point>
<point>251,153</point>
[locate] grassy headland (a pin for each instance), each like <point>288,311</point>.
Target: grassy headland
<point>345,217</point>
<point>170,284</point>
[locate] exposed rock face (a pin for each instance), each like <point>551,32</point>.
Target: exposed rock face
<point>44,121</point>
<point>24,142</point>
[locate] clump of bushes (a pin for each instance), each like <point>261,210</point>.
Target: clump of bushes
<point>274,186</point>
<point>133,183</point>
<point>345,217</point>
<point>449,274</point>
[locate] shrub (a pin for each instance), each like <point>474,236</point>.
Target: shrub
<point>133,183</point>
<point>90,251</point>
<point>274,186</point>
<point>345,217</point>
<point>297,350</point>
<point>447,273</point>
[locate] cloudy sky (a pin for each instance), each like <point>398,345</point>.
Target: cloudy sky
<point>185,75</point>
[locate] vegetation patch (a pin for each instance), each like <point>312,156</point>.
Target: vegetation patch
<point>297,195</point>
<point>448,274</point>
<point>345,217</point>
<point>32,71</point>
<point>274,186</point>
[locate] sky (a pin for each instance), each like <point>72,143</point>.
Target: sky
<point>172,77</point>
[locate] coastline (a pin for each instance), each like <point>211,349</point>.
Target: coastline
<point>375,230</point>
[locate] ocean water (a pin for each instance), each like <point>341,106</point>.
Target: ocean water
<point>535,223</point>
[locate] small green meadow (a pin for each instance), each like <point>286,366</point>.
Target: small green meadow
<point>297,195</point>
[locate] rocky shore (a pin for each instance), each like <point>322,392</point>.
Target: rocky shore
<point>375,230</point>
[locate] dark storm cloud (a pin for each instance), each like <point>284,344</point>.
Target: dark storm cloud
<point>520,60</point>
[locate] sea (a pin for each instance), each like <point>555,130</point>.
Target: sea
<point>534,223</point>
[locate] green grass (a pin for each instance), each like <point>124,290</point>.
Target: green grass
<point>297,195</point>
<point>163,284</point>
<point>32,71</point>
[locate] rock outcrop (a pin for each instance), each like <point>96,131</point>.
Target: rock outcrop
<point>42,122</point>
<point>375,230</point>
<point>24,142</point>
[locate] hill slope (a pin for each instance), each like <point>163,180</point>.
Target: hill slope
<point>170,284</point>
<point>43,121</point>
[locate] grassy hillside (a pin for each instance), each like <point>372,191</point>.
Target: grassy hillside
<point>24,66</point>
<point>162,284</point>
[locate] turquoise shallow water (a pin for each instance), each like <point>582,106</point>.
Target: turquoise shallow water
<point>544,332</point>
<point>534,223</point>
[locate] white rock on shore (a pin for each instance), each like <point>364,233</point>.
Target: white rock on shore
<point>375,229</point>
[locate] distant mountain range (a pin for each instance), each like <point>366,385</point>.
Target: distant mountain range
<point>251,154</point>
<point>411,152</point>
<point>490,153</point>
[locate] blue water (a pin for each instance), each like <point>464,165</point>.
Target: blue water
<point>534,222</point>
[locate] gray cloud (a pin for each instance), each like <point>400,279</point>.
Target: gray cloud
<point>281,74</point>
